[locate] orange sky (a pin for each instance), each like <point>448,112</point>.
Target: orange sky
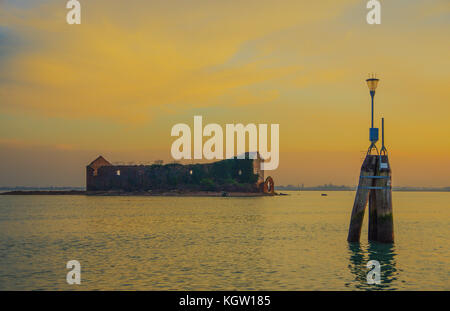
<point>117,83</point>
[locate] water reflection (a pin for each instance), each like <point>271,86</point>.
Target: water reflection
<point>361,254</point>
<point>357,263</point>
<point>179,243</point>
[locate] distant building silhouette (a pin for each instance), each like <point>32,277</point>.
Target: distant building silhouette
<point>233,175</point>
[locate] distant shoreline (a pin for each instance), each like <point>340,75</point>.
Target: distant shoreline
<point>121,193</point>
<point>44,192</point>
<point>324,188</point>
<point>396,189</point>
<point>194,193</point>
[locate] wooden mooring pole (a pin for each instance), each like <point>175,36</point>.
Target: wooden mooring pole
<point>374,187</point>
<point>383,231</point>
<point>362,195</point>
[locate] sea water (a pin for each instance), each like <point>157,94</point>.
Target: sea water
<point>294,242</point>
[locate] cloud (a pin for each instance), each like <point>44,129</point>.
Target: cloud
<point>126,59</point>
<point>131,70</point>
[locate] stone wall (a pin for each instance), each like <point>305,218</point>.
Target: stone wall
<point>227,175</point>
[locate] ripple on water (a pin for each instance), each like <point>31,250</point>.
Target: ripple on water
<point>295,242</point>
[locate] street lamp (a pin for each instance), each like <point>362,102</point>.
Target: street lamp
<point>372,83</point>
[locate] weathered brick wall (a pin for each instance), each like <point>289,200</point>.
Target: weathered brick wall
<point>226,175</point>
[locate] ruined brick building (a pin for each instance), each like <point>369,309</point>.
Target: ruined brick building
<point>231,175</point>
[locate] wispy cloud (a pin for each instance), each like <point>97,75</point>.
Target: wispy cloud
<point>131,70</point>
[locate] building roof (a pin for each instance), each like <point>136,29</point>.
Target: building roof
<point>99,162</point>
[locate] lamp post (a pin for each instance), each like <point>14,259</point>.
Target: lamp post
<point>372,83</point>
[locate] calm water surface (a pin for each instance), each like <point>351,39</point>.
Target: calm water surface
<point>295,242</point>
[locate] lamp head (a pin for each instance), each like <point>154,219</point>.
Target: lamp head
<point>372,83</point>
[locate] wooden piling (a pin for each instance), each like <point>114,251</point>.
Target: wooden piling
<point>374,187</point>
<point>373,228</point>
<point>382,229</point>
<point>368,168</point>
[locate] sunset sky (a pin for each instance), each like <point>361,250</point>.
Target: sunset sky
<point>116,84</point>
